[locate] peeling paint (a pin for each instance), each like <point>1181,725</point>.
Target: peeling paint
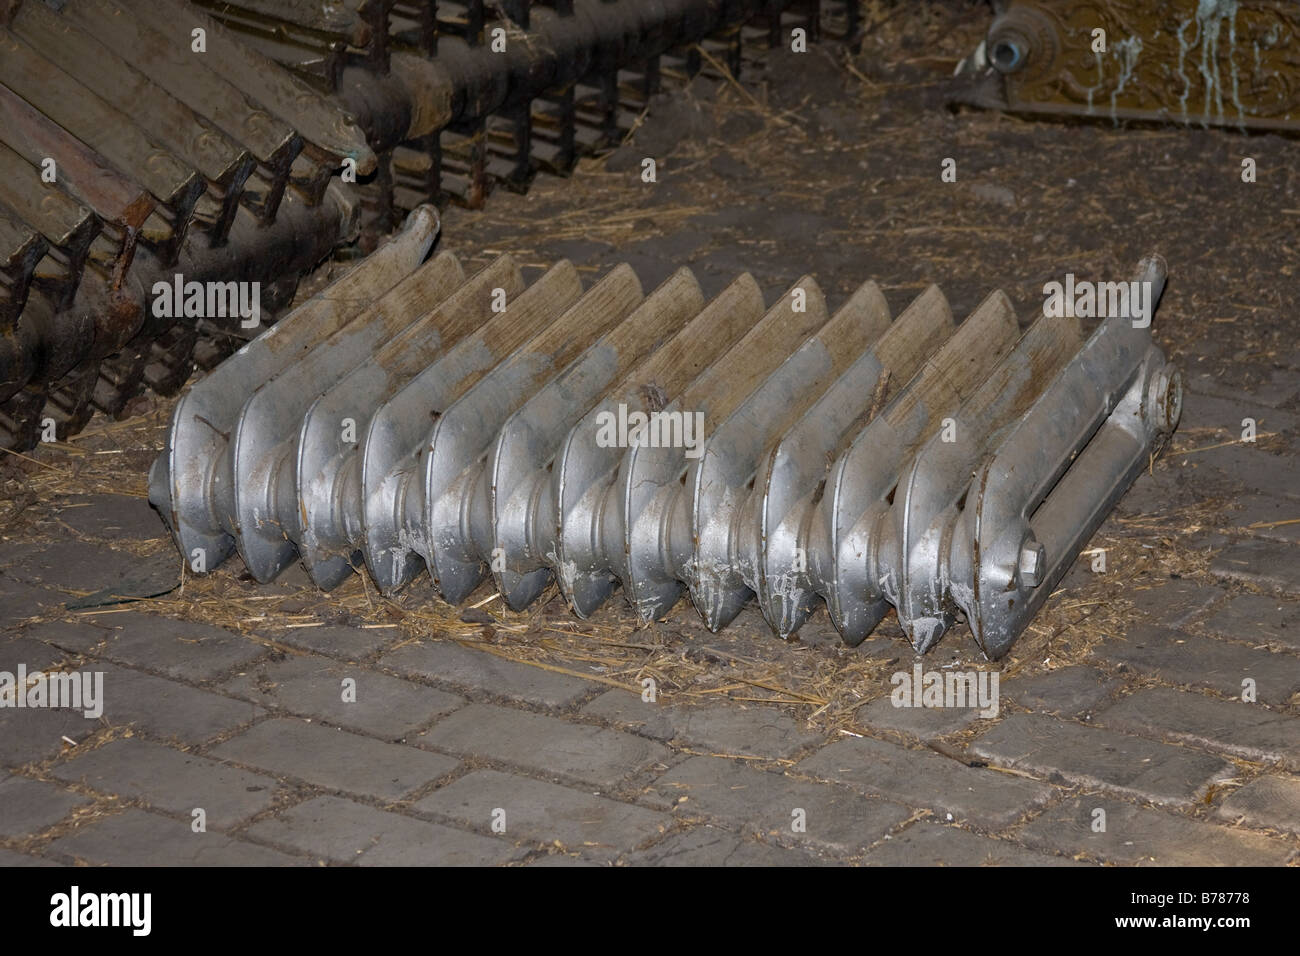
<point>1127,52</point>
<point>1202,62</point>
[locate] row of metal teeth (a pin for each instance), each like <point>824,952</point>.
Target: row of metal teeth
<point>504,133</point>
<point>130,149</point>
<point>133,149</point>
<point>410,417</point>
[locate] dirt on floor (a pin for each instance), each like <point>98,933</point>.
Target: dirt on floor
<point>828,164</point>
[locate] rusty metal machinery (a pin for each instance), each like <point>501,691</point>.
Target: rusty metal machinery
<point>1197,62</point>
<point>143,139</point>
<point>123,159</point>
<point>412,417</point>
<point>496,91</point>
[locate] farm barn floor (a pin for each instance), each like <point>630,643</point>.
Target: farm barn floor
<point>1124,695</point>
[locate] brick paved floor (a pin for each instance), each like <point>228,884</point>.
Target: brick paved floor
<point>274,725</point>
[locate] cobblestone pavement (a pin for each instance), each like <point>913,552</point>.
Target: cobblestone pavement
<point>1151,715</point>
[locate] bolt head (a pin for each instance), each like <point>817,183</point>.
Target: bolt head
<point>1169,397</point>
<point>1007,55</point>
<point>1033,562</point>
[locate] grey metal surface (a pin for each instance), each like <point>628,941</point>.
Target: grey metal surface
<point>483,428</point>
<point>1060,469</point>
<point>192,482</point>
